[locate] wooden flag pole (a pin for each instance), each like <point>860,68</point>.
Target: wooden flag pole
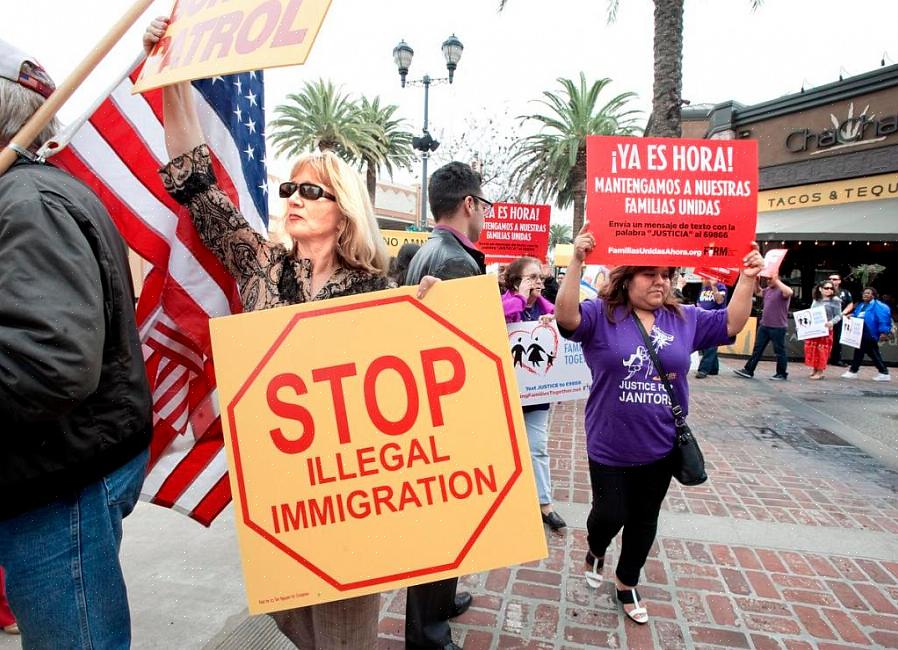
<point>51,106</point>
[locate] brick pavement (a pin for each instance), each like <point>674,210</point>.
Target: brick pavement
<point>769,467</point>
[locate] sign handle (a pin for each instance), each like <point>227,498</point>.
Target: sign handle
<point>45,113</point>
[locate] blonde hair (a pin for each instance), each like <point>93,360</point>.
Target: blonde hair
<point>360,244</point>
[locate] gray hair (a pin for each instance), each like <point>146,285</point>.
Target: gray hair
<point>17,105</point>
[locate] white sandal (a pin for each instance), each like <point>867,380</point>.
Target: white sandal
<point>593,572</point>
<point>638,614</point>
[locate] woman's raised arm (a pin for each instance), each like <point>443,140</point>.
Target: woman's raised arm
<point>182,126</point>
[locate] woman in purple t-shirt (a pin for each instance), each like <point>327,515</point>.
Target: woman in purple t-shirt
<point>629,424</point>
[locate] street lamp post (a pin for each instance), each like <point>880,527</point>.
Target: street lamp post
<point>402,56</point>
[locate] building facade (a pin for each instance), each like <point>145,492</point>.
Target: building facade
<point>828,179</point>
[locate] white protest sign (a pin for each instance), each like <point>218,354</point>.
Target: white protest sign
<point>852,330</point>
<point>810,323</point>
<point>548,367</point>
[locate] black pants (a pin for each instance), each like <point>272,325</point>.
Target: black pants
<point>765,335</point>
<point>628,498</point>
<point>427,611</point>
<point>870,347</point>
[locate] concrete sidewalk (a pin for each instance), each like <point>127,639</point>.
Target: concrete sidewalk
<point>793,543</point>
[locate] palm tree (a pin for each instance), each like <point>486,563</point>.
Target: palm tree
<point>559,233</point>
<point>321,117</point>
<point>393,144</point>
<point>667,89</point>
<point>551,165</point>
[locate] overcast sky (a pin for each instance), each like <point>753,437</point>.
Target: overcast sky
<point>730,52</point>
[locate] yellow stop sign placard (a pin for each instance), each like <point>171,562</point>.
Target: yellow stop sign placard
<point>374,441</point>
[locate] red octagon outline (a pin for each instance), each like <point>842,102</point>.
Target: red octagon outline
<point>238,466</point>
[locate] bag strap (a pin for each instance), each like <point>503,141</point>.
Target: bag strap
<point>674,404</point>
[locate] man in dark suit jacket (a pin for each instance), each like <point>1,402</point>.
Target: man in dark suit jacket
<point>458,208</point>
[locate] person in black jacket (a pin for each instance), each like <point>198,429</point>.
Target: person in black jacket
<point>458,207</point>
<point>74,398</point>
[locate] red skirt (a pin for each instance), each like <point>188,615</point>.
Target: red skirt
<point>816,351</point>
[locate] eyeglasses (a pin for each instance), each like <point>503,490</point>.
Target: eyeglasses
<point>536,277</point>
<point>488,204</point>
<point>827,288</point>
<point>308,191</point>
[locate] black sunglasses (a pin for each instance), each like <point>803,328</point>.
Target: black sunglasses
<point>827,288</point>
<point>308,191</point>
<point>488,204</point>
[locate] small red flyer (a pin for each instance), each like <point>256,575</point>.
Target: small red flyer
<point>727,276</point>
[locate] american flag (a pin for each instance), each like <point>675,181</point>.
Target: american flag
<point>117,152</point>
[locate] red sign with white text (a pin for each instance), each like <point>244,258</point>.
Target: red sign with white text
<point>671,202</point>
<point>512,230</point>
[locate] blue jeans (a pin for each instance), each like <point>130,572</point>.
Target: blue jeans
<point>538,436</point>
<point>64,581</point>
<point>765,335</point>
<point>710,363</point>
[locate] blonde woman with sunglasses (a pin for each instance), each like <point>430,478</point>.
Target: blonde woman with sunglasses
<point>336,250</point>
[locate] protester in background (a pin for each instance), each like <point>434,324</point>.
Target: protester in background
<point>337,251</point>
<point>817,350</point>
<point>712,297</point>
<point>844,296</point>
<point>772,327</point>
<point>629,435</point>
<point>458,207</point>
<point>877,328</point>
<point>399,264</point>
<point>523,301</point>
<point>7,619</point>
<point>74,398</point>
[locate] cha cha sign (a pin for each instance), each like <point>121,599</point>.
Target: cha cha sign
<point>852,131</point>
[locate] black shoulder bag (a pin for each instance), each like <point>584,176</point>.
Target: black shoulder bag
<point>689,463</point>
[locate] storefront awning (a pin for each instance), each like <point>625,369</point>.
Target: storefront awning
<point>867,220</point>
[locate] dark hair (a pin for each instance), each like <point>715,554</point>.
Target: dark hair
<point>514,272</point>
<point>817,291</point>
<point>449,185</point>
<point>399,264</point>
<point>614,293</point>
<point>873,291</point>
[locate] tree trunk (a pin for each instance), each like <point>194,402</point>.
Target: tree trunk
<point>371,180</point>
<point>578,182</point>
<point>668,85</point>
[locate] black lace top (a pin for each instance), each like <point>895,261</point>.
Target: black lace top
<point>267,273</point>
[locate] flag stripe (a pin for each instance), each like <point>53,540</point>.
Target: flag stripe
<point>214,502</point>
<point>211,474</point>
<point>190,465</point>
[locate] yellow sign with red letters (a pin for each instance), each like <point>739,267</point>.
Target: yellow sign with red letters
<point>208,38</point>
<point>374,441</point>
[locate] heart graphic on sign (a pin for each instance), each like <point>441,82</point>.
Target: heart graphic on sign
<point>536,350</point>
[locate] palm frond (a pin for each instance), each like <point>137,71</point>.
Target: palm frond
<point>550,165</point>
